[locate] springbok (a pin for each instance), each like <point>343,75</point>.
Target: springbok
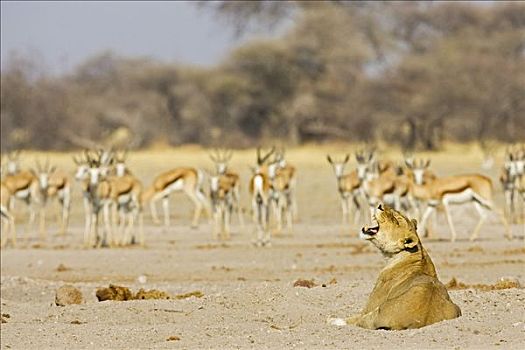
<point>521,191</point>
<point>349,188</point>
<point>105,192</point>
<point>459,189</point>
<point>120,166</point>
<point>7,219</point>
<point>260,192</point>
<point>382,182</point>
<point>12,167</point>
<point>188,180</point>
<point>222,189</point>
<point>221,161</point>
<point>128,208</point>
<point>97,197</point>
<point>42,192</point>
<point>512,172</point>
<point>281,179</point>
<point>53,183</point>
<point>13,163</point>
<point>22,185</point>
<point>82,177</point>
<point>289,172</point>
<point>84,161</point>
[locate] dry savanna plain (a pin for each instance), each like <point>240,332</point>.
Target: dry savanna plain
<point>243,296</point>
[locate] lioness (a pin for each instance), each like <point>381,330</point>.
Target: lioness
<point>407,293</point>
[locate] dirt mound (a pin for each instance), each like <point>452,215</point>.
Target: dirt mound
<point>113,292</point>
<point>196,294</point>
<point>475,249</point>
<point>62,268</point>
<point>67,295</point>
<point>305,283</point>
<point>212,246</point>
<point>119,293</point>
<point>151,294</point>
<point>514,251</point>
<point>504,283</point>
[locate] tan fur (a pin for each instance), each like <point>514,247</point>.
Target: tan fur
<point>266,182</point>
<point>282,187</point>
<point>387,182</point>
<point>113,187</point>
<point>189,175</point>
<point>282,179</point>
<point>349,182</point>
<point>223,204</point>
<point>19,181</point>
<point>441,190</point>
<point>222,198</point>
<point>7,219</point>
<point>259,188</point>
<point>226,185</point>
<point>407,293</point>
<point>437,188</point>
<point>58,180</point>
<point>190,186</point>
<point>231,181</point>
<point>350,188</point>
<point>129,184</point>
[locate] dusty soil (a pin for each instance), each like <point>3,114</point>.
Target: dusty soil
<point>244,297</point>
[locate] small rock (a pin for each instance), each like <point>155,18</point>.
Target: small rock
<point>62,268</point>
<point>339,322</point>
<point>142,279</point>
<point>67,295</point>
<point>173,338</point>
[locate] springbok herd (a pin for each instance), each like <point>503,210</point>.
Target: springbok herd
<point>110,188</point>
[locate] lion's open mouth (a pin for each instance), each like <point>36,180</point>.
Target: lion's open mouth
<point>371,231</point>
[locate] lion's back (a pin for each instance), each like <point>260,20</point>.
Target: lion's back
<point>419,302</point>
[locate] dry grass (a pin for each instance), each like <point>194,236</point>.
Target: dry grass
<point>504,283</point>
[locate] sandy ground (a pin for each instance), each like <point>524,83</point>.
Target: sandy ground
<point>249,300</point>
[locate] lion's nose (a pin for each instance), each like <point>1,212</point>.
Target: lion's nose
<point>380,207</point>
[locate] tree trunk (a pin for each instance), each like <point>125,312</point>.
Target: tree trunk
<point>411,141</point>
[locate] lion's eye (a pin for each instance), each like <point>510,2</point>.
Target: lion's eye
<point>408,241</point>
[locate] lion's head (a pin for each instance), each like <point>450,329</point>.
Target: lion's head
<point>391,231</point>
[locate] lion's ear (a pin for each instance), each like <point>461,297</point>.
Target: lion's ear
<point>410,242</point>
<point>414,221</point>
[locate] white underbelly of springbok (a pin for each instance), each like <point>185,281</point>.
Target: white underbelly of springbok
<point>176,186</point>
<point>22,194</point>
<point>258,184</point>
<point>465,196</point>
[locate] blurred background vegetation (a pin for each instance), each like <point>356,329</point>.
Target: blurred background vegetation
<point>413,74</point>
